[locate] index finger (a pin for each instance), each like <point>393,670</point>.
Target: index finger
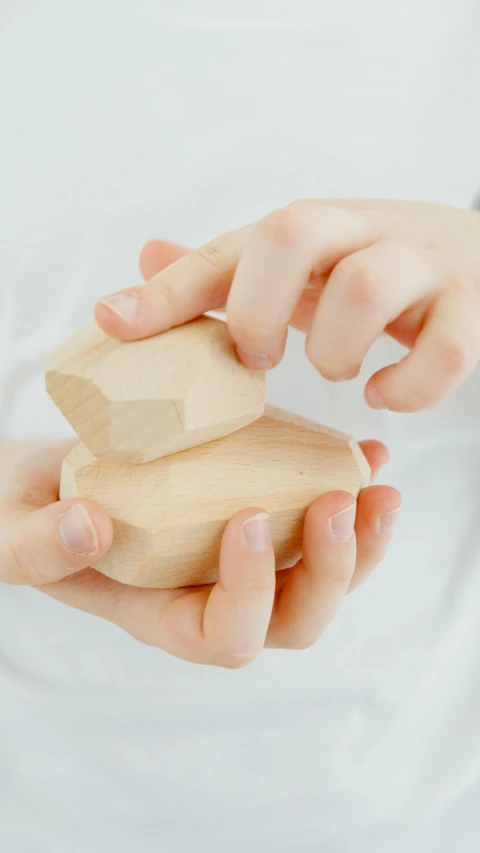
<point>196,283</point>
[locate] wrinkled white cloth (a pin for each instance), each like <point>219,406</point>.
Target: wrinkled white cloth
<point>123,121</point>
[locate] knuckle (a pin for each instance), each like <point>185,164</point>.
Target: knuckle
<point>214,255</point>
<point>362,282</point>
<point>166,293</point>
<point>340,576</point>
<point>453,355</point>
<point>412,400</point>
<point>299,205</point>
<point>283,227</point>
<point>453,359</point>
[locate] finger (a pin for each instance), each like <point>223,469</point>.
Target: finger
<point>365,292</point>
<point>156,255</point>
<point>239,607</point>
<point>192,285</point>
<point>40,546</point>
<point>376,454</point>
<point>445,353</point>
<point>315,588</point>
<point>378,508</point>
<point>305,308</point>
<point>224,625</point>
<point>283,252</point>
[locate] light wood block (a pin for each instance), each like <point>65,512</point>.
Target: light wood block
<point>169,514</point>
<point>141,400</point>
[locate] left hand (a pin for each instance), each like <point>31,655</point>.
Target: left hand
<point>344,271</point>
<point>44,544</point>
<point>251,607</point>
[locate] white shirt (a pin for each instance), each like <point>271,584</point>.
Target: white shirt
<point>123,121</point>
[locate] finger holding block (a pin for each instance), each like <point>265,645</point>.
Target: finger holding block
<point>140,400</point>
<point>169,514</point>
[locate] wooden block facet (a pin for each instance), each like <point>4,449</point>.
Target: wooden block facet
<point>140,400</point>
<point>169,515</point>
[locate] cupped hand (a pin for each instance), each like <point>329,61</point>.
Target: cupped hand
<point>50,544</point>
<point>344,271</point>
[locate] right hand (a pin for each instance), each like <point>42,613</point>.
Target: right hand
<point>50,544</point>
<point>345,271</point>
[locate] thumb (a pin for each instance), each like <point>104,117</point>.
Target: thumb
<point>45,545</point>
<point>158,254</point>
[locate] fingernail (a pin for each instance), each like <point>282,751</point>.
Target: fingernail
<point>373,398</point>
<point>76,531</point>
<point>387,522</point>
<point>343,523</point>
<point>256,531</point>
<point>124,305</point>
<point>255,361</point>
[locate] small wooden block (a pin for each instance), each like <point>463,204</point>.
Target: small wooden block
<point>169,515</point>
<point>141,400</point>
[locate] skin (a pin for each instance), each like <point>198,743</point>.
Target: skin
<point>409,270</point>
<point>226,624</point>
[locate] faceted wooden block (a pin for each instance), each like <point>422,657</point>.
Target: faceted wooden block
<point>141,400</point>
<point>169,515</point>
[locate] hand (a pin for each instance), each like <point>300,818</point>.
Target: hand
<point>49,544</point>
<point>342,271</point>
<point>43,539</point>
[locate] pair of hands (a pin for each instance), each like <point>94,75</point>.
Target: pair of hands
<point>406,269</point>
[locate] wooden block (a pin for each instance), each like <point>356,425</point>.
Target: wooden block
<point>141,400</point>
<point>169,515</point>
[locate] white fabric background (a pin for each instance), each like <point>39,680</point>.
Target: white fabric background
<point>121,121</point>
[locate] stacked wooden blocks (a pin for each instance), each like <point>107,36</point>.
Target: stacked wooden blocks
<point>175,439</point>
